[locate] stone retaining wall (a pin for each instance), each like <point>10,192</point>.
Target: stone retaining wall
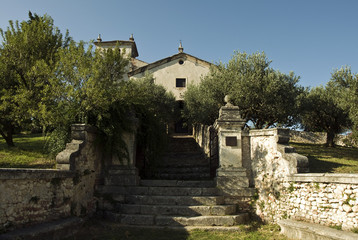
<point>33,195</point>
<point>29,196</point>
<point>284,188</point>
<point>327,199</point>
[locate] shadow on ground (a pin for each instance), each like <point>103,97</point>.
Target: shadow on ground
<point>98,230</point>
<point>319,166</point>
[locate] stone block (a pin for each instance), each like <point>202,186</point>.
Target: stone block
<point>122,180</point>
<point>137,219</point>
<point>233,182</point>
<point>222,210</point>
<point>170,221</point>
<point>302,230</point>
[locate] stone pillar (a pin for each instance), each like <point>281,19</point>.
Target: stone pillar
<point>123,171</point>
<point>231,175</point>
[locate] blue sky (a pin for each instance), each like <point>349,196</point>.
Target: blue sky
<point>309,37</point>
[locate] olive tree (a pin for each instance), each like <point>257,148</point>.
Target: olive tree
<point>320,112</point>
<point>266,97</point>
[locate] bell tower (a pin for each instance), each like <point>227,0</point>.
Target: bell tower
<point>128,47</point>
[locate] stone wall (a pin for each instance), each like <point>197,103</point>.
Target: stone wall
<point>30,196</point>
<point>272,160</point>
<point>286,192</point>
<point>327,199</point>
<point>320,138</point>
<point>202,135</point>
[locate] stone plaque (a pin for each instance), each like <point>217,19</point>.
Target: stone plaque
<point>231,141</point>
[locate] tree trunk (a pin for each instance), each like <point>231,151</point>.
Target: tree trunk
<point>8,135</point>
<point>330,139</point>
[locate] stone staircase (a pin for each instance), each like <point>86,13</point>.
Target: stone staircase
<point>168,203</point>
<point>184,160</point>
<point>180,194</point>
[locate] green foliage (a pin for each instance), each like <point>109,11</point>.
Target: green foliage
<point>91,89</point>
<point>57,139</point>
<point>88,89</point>
<point>337,227</point>
<point>347,201</point>
<point>154,108</point>
<point>28,55</point>
<point>320,112</point>
<point>265,96</point>
<point>344,85</point>
<point>52,81</point>
<point>291,188</point>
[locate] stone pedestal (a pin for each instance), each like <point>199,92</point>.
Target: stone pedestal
<point>231,175</point>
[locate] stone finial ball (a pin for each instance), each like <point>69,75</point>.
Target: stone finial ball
<point>227,99</point>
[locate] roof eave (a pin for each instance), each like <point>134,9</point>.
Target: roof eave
<point>163,61</point>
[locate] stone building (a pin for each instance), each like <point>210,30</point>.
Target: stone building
<point>174,73</point>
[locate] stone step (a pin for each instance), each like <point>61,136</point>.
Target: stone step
<point>177,183</point>
<point>202,220</point>
<point>158,191</point>
<point>181,176</point>
<point>133,219</point>
<point>173,200</point>
<point>123,180</point>
<point>117,170</point>
<point>172,210</point>
<point>182,144</point>
<point>186,169</point>
<point>183,159</point>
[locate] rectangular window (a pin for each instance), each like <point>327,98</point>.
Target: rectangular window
<point>180,82</point>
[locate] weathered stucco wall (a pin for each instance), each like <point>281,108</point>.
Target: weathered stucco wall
<point>166,74</point>
<point>30,196</point>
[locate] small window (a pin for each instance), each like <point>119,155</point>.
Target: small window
<point>180,82</point>
<point>181,62</point>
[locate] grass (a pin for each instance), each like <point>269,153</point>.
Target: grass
<point>100,229</point>
<point>329,160</point>
<point>29,152</point>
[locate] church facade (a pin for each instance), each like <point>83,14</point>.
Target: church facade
<point>174,73</point>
